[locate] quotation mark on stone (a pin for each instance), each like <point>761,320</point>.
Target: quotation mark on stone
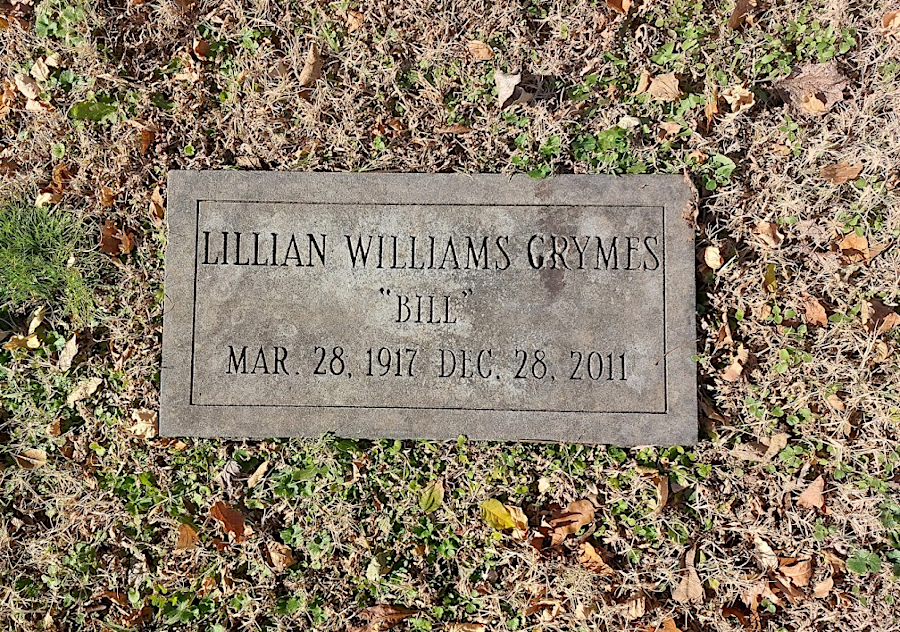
<point>381,290</point>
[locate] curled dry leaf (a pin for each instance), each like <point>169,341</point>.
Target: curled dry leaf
<point>855,248</point>
<point>661,482</point>
<point>146,424</point>
<point>768,233</point>
<point>40,71</point>
<point>878,317</point>
<point>734,370</point>
<point>187,537</point>
<point>115,241</point>
<point>27,86</point>
<point>543,485</point>
<point>466,627</point>
<point>823,588</point>
<point>814,312</point>
<point>619,6</point>
<point>22,342</point>
<point>798,572</point>
<point>257,475</point>
<point>890,23</point>
<point>765,555</point>
<point>312,68</point>
<point>591,559</point>
<point>479,50</point>
<point>813,89</point>
<point>643,82</point>
<point>777,443</point>
<point>384,617</point>
<point>813,497</point>
<point>713,257</point>
<point>576,515</point>
<point>280,555</point>
<point>547,609</point>
<point>31,458</point>
<point>85,389</point>
<point>506,85</point>
<point>664,87</point>
<point>738,98</point>
<point>456,128</point>
<point>232,520</point>
<point>635,607</point>
<point>689,588</point>
<point>107,197</point>
<point>841,172</point>
<point>520,520</point>
<point>157,204</point>
<point>354,20</point>
<point>740,14</point>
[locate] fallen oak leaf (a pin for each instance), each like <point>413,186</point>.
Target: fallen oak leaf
<point>115,241</point>
<point>576,515</point>
<point>823,588</point>
<point>31,458</point>
<point>22,342</point>
<point>83,390</point>
<point>734,370</point>
<point>665,87</point>
<point>841,172</point>
<point>384,617</point>
<point>280,555</point>
<point>815,314</point>
<point>813,497</point>
<point>591,559</point>
<point>689,588</point>
<point>479,50</point>
<point>354,20</point>
<point>187,537</point>
<point>813,88</point>
<point>798,572</point>
<point>146,423</point>
<point>769,234</point>
<point>506,85</point>
<point>855,248</point>
<point>232,520</point>
<point>312,67</point>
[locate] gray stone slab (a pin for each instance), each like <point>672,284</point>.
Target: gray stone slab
<point>496,308</point>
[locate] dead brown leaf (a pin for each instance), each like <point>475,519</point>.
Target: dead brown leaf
<point>665,87</point>
<point>312,68</point>
<point>619,6</point>
<point>734,370</point>
<point>575,516</point>
<point>815,313</point>
<point>890,23</point>
<point>354,20</point>
<point>878,317</point>
<point>466,627</point>
<point>813,88</point>
<point>232,520</point>
<point>813,497</point>
<point>823,588</point>
<point>841,172</point>
<point>739,99</point>
<point>148,137</point>
<point>27,86</point>
<point>712,257</point>
<point>506,85</point>
<point>157,204</point>
<point>740,13</point>
<point>799,572</point>
<point>456,128</point>
<point>31,458</point>
<point>643,82</point>
<point>115,241</point>
<point>257,475</point>
<point>855,248</point>
<point>17,342</point>
<point>636,607</point>
<point>769,234</point>
<point>384,617</point>
<point>547,609</point>
<point>280,555</point>
<point>661,482</point>
<point>689,588</point>
<point>187,537</point>
<point>591,559</point>
<point>85,389</point>
<point>479,50</point>
<point>107,197</point>
<point>146,424</point>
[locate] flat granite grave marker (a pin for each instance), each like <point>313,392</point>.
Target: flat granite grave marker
<point>429,306</point>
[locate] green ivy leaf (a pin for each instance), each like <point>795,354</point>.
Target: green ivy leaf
<point>432,497</point>
<point>496,515</point>
<point>92,111</point>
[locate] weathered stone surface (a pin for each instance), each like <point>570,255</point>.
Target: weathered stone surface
<point>496,308</point>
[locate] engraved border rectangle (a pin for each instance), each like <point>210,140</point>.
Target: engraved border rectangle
<point>661,209</point>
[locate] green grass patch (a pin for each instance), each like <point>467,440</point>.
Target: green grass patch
<point>45,258</point>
